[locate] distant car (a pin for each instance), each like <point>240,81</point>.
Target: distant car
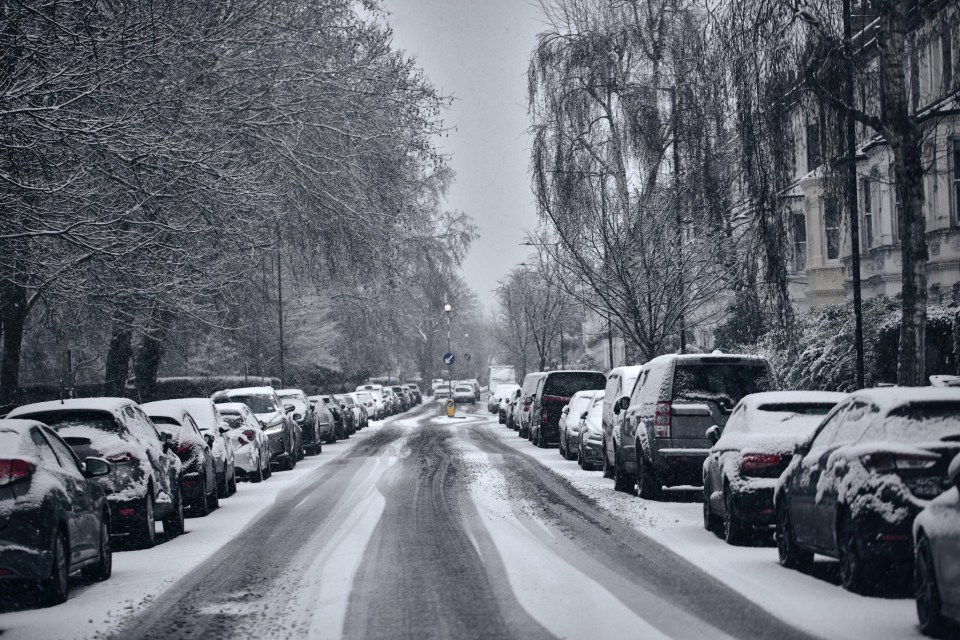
<point>552,396</point>
<point>362,410</point>
<point>852,491</point>
<point>522,410</point>
<point>463,394</point>
<point>340,418</point>
<point>442,391</point>
<point>508,405</point>
<point>305,418</point>
<point>328,424</point>
<point>750,453</point>
<point>494,402</point>
<point>198,479</point>
<point>417,394</point>
<point>279,428</point>
<point>143,485</point>
<point>590,449</point>
<point>251,444</point>
<point>376,391</point>
<point>369,404</point>
<point>936,550</point>
<point>403,394</point>
<point>54,515</point>
<point>351,406</point>
<point>570,417</point>
<point>214,429</point>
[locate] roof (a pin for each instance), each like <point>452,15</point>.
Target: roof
<point>699,357</point>
<point>238,391</point>
<point>167,408</point>
<point>91,404</point>
<point>888,398</point>
<point>6,424</point>
<point>290,392</point>
<point>754,400</point>
<point>631,371</point>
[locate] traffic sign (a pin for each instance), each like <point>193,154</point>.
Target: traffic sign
<point>467,357</point>
<point>449,358</point>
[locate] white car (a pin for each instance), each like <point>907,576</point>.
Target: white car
<point>570,417</point>
<point>251,445</point>
<point>376,391</point>
<point>464,393</point>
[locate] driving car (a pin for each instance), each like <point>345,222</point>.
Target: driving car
<point>143,483</point>
<point>570,418</point>
<point>250,443</point>
<point>749,454</point>
<point>54,513</point>
<point>198,478</point>
<point>305,418</point>
<point>463,394</point>
<point>279,428</point>
<point>852,491</point>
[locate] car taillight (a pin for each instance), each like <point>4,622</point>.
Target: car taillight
<point>544,418</point>
<point>661,420</point>
<point>249,434</point>
<point>126,456</point>
<point>888,461</point>
<point>14,470</point>
<point>756,461</point>
<point>183,450</point>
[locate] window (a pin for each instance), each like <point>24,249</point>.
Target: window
<point>813,145</point>
<point>956,180</point>
<point>68,460</point>
<point>831,228</point>
<point>799,241</point>
<point>866,228</point>
<point>896,208</point>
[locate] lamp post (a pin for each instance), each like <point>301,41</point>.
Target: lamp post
<point>447,309</point>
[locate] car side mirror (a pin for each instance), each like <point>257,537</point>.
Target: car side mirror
<point>95,467</point>
<point>224,427</point>
<point>713,434</point>
<point>209,438</point>
<point>583,416</point>
<point>298,416</point>
<point>289,408</point>
<point>953,471</point>
<point>621,405</point>
<point>263,425</point>
<point>166,436</point>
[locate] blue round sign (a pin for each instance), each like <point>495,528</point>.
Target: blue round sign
<point>449,358</point>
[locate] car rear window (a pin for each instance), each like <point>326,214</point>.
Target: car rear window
<point>721,383</point>
<point>234,420</point>
<point>801,408</point>
<point>568,383</point>
<point>918,422</point>
<point>61,420</point>
<point>164,420</point>
<point>257,404</point>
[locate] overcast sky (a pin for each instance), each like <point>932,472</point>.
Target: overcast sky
<point>476,51</point>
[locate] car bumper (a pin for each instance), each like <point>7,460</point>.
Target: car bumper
<point>753,505</point>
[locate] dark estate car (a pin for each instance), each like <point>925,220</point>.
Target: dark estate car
<point>852,491</point>
<point>144,480</point>
<point>306,418</point>
<point>552,395</point>
<point>54,517</point>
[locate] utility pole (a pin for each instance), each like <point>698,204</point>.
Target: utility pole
<point>280,303</point>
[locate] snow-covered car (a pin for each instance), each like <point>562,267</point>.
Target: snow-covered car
<point>523,409</point>
<point>620,384</point>
<point>495,398</point>
<point>391,400</point>
<point>749,454</point>
<point>251,447</point>
<point>936,541</point>
<point>570,417</point>
<point>341,420</point>
<point>369,404</point>
<point>279,428</point>
<point>350,405</point>
<point>362,408</point>
<point>441,391</point>
<point>852,491</point>
<point>328,424</point>
<point>376,392</point>
<point>198,479</point>
<point>214,429</point>
<point>415,390</point>
<point>590,449</point>
<point>54,516</point>
<point>504,404</point>
<point>463,394</point>
<point>507,407</point>
<point>143,485</point>
<point>403,396</point>
<point>305,417</point>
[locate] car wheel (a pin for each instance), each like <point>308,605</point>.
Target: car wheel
<point>214,499</point>
<point>104,567</point>
<point>649,485</point>
<point>202,507</point>
<point>173,524</point>
<point>56,587</point>
<point>854,567</point>
<point>734,531</point>
<point>789,554</point>
<point>257,476</point>
<point>223,490</point>
<point>710,521</point>
<point>607,467</point>
<point>232,483</point>
<point>289,463</point>
<point>562,449</point>
<point>145,533</point>
<point>318,447</point>
<point>621,482</point>
<point>926,592</point>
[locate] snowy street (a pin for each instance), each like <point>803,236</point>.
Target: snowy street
<point>431,527</point>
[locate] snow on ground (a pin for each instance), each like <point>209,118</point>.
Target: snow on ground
<point>94,610</point>
<point>811,603</point>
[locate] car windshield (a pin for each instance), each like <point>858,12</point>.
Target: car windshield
<point>567,384</point>
<point>722,383</point>
<point>257,403</point>
<point>918,422</point>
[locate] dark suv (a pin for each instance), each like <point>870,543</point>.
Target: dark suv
<point>663,437</point>
<point>552,395</point>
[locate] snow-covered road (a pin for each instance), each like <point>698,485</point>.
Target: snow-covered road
<point>429,527</point>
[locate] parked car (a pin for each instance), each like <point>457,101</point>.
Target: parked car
<point>590,451</point>
<point>251,445</point>
<point>463,394</point>
<point>366,400</point>
<point>305,418</point>
<point>473,382</point>
<point>749,454</point>
<point>214,429</point>
<point>54,514</point>
<point>279,428</point>
<point>403,397</point>
<point>552,395</point>
<point>511,406</point>
<point>620,384</point>
<point>417,394</point>
<point>143,484</point>
<point>852,491</point>
<point>570,417</point>
<point>376,391</point>
<point>328,424</point>
<point>341,426</point>
<point>504,390</point>
<point>936,542</point>
<point>442,391</point>
<point>391,400</point>
<point>350,406</point>
<point>198,478</point>
<point>662,439</point>
<point>361,409</point>
<point>525,402</point>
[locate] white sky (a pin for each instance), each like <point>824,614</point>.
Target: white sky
<point>477,51</point>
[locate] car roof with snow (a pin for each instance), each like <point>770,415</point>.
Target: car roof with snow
<point>754,400</point>
<point>167,408</point>
<point>242,391</point>
<point>91,404</point>
<point>705,357</point>
<point>889,398</point>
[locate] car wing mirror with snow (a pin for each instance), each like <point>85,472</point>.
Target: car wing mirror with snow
<point>583,416</point>
<point>713,434</point>
<point>209,439</point>
<point>298,417</point>
<point>95,467</point>
<point>953,472</point>
<point>224,427</point>
<point>621,405</point>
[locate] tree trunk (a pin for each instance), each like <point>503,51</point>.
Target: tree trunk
<point>151,352</point>
<point>117,367</point>
<point>14,310</point>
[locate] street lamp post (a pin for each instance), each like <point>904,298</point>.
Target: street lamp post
<point>446,310</point>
